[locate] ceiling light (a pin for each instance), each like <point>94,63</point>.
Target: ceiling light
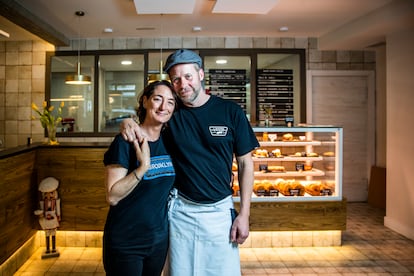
<point>221,61</point>
<point>78,79</point>
<point>196,29</point>
<point>244,6</point>
<point>164,7</point>
<point>126,62</point>
<point>108,30</point>
<point>160,75</point>
<point>4,33</point>
<point>284,29</point>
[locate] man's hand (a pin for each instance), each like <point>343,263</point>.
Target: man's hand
<point>130,130</point>
<point>240,229</point>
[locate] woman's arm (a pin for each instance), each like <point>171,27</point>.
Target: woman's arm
<point>118,183</point>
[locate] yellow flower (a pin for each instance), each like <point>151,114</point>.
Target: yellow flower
<point>34,107</point>
<point>46,117</point>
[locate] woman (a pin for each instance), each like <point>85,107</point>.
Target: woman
<point>139,177</point>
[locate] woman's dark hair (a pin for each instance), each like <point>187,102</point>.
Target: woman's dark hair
<point>147,92</point>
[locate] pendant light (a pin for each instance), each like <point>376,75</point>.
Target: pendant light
<point>78,78</point>
<point>160,75</point>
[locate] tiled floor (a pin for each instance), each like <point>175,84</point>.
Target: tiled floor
<point>368,248</point>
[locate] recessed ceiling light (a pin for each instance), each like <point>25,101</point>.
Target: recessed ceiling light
<point>108,30</point>
<point>126,62</point>
<point>284,29</point>
<point>221,61</point>
<point>197,29</point>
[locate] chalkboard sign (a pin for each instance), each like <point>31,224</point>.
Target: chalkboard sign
<point>228,84</point>
<point>275,99</point>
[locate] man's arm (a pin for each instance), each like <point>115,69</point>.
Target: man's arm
<point>240,227</point>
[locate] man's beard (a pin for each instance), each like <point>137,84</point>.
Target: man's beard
<point>192,97</point>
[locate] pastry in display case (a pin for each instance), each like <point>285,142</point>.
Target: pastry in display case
<point>296,164</point>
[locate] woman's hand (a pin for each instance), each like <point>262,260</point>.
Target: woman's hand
<point>142,151</point>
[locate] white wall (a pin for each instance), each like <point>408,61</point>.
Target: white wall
<point>400,133</point>
<point>381,107</point>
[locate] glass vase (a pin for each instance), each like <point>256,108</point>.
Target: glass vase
<point>51,135</point>
<point>268,120</point>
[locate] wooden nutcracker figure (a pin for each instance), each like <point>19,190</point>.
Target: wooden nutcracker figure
<point>49,213</point>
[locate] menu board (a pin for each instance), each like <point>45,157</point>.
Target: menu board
<point>228,84</point>
<point>274,93</point>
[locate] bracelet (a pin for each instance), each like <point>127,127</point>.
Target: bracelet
<point>136,176</point>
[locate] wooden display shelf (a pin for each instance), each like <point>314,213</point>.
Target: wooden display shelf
<point>288,159</point>
<point>313,172</point>
<point>289,143</point>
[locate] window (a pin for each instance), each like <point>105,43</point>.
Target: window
<point>257,79</point>
<point>268,84</point>
<point>121,81</point>
<point>78,113</point>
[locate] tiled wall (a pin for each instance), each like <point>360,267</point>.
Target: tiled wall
<point>22,80</point>
<point>22,71</point>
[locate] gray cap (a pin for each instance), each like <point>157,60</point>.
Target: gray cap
<point>180,57</point>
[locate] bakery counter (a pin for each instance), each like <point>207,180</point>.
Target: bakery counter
<point>8,152</point>
<point>297,216</point>
<point>297,179</point>
<point>18,198</point>
<point>80,171</point>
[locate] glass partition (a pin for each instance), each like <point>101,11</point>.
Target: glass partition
<point>78,112</point>
<point>121,81</point>
<point>269,85</point>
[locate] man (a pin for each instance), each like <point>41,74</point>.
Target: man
<point>202,138</point>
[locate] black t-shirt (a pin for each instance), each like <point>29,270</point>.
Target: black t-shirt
<point>142,215</point>
<point>202,142</point>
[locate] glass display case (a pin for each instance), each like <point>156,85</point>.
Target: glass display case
<point>296,164</point>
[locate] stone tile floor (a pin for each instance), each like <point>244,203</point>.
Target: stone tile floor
<point>368,248</point>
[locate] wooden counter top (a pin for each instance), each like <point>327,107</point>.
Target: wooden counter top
<point>21,149</point>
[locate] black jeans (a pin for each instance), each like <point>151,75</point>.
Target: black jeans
<point>143,261</point>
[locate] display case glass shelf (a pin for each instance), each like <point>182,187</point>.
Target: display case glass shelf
<point>296,164</point>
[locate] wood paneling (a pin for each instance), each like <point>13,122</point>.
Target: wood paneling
<point>80,172</point>
<point>297,216</point>
<point>17,202</point>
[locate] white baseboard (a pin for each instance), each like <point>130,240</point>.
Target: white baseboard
<point>399,228</point>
